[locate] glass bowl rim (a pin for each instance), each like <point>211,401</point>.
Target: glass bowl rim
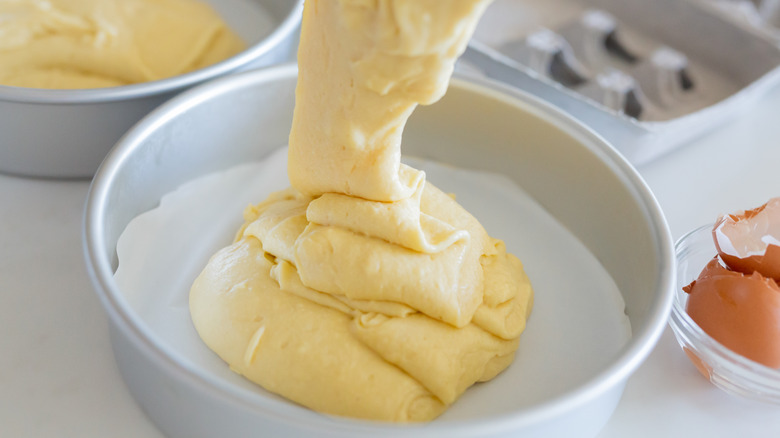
<point>705,347</point>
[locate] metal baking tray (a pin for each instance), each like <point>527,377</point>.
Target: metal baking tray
<point>762,16</point>
<point>647,76</point>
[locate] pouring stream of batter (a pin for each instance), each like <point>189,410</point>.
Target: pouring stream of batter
<point>363,290</point>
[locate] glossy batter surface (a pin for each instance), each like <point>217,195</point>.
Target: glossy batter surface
<point>71,44</point>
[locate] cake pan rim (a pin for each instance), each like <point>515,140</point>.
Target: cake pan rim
<point>616,373</point>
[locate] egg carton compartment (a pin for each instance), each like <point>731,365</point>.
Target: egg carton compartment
<point>625,73</point>
<point>648,76</point>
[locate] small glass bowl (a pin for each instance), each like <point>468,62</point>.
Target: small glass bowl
<point>727,370</point>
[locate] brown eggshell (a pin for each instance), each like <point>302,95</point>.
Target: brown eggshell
<point>742,312</point>
<point>704,369</point>
<point>745,230</point>
<point>768,264</point>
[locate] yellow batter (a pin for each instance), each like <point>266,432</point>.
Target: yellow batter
<point>363,290</point>
<point>64,44</point>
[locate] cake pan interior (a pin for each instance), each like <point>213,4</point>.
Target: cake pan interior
<point>577,177</point>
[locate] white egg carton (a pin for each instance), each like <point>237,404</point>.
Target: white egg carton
<point>648,76</point>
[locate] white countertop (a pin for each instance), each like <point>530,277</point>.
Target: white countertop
<point>58,377</point>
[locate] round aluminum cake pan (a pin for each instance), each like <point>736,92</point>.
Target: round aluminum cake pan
<point>244,117</point>
<point>67,133</point>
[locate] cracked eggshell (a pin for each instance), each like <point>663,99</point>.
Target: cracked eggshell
<point>749,241</point>
<point>740,311</point>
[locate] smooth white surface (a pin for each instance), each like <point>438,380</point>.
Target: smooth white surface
<point>58,378</point>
